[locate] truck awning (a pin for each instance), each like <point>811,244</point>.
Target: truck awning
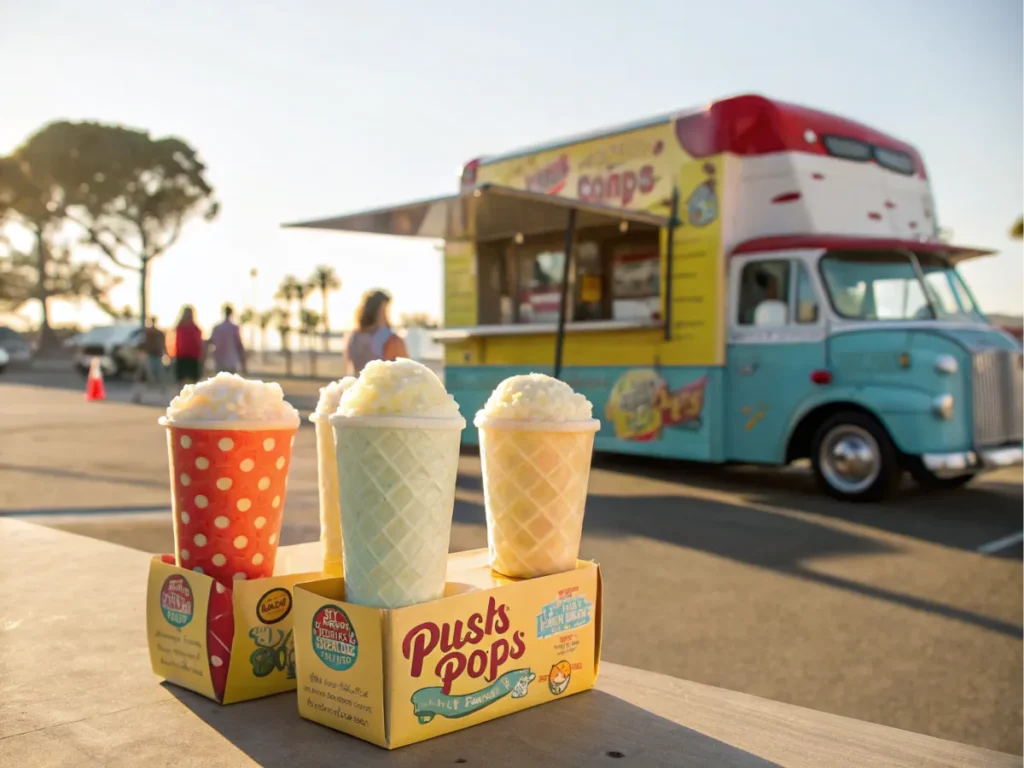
<point>487,212</point>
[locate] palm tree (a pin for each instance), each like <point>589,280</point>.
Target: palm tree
<point>309,322</point>
<point>266,319</point>
<point>292,289</point>
<point>287,290</point>
<point>326,280</point>
<point>284,329</point>
<point>246,319</point>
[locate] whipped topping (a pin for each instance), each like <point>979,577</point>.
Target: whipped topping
<point>228,397</point>
<point>330,396</point>
<point>535,397</point>
<point>398,388</point>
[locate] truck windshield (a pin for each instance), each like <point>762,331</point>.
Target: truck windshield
<point>886,286</point>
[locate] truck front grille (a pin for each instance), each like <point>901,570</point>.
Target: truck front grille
<point>998,398</point>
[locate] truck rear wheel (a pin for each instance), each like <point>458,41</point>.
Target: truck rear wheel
<point>854,459</point>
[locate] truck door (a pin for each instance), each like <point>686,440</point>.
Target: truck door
<point>776,340</point>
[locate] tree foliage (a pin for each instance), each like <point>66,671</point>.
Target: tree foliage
<point>26,196</point>
<point>326,280</point>
<point>1017,230</point>
<point>267,317</point>
<point>310,321</point>
<point>61,278</point>
<point>288,289</point>
<point>131,194</point>
<point>32,202</point>
<point>418,320</point>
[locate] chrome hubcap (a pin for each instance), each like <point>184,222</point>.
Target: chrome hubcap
<point>850,458</point>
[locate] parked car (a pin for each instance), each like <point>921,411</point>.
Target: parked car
<point>15,345</point>
<point>115,345</point>
<point>4,359</point>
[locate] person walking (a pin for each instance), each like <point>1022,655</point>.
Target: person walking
<point>188,348</point>
<point>150,372</point>
<point>373,338</point>
<point>226,340</point>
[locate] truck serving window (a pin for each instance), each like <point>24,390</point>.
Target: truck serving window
<point>614,275</point>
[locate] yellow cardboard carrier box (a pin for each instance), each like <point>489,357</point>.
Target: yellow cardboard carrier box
<point>229,645</point>
<point>490,647</point>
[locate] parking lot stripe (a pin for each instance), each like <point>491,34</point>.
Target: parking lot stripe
<point>1000,544</point>
<point>154,509</point>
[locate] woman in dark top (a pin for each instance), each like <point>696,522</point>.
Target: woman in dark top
<point>373,339</point>
<point>188,348</point>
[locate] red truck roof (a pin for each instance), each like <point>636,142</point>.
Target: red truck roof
<point>743,125</point>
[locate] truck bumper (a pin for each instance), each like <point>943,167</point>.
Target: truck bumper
<point>972,462</point>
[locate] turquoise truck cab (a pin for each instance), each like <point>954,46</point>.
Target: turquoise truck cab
<point>869,357</point>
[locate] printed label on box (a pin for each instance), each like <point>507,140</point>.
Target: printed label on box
<point>339,651</point>
<point>274,606</point>
<point>334,638</point>
<point>176,602</point>
<point>570,611</point>
<point>263,650</point>
<point>176,609</point>
<point>428,702</point>
<point>493,646</point>
<point>484,654</point>
<point>228,644</point>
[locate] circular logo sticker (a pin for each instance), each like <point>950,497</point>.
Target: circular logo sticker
<point>334,638</point>
<point>274,605</point>
<point>176,602</point>
<point>558,678</point>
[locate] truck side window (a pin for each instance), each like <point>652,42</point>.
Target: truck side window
<point>764,293</point>
<point>806,297</point>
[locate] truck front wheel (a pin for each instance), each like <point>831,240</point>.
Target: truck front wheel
<point>854,459</point>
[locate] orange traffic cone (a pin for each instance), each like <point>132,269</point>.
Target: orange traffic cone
<point>94,389</point>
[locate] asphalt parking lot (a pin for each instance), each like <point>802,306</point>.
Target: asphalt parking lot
<point>741,578</point>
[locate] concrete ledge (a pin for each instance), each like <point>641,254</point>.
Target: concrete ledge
<point>77,689</point>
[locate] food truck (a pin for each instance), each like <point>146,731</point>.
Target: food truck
<point>750,281</point>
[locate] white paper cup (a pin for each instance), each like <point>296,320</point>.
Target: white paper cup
<point>396,482</point>
<point>535,491</point>
<point>327,485</point>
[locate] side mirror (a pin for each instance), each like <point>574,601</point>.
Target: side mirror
<point>807,312</point>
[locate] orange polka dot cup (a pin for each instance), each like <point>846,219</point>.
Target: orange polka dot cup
<point>228,482</point>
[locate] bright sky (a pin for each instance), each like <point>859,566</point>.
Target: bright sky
<point>313,108</point>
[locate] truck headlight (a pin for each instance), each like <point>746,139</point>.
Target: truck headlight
<point>946,364</point>
<point>942,407</point>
